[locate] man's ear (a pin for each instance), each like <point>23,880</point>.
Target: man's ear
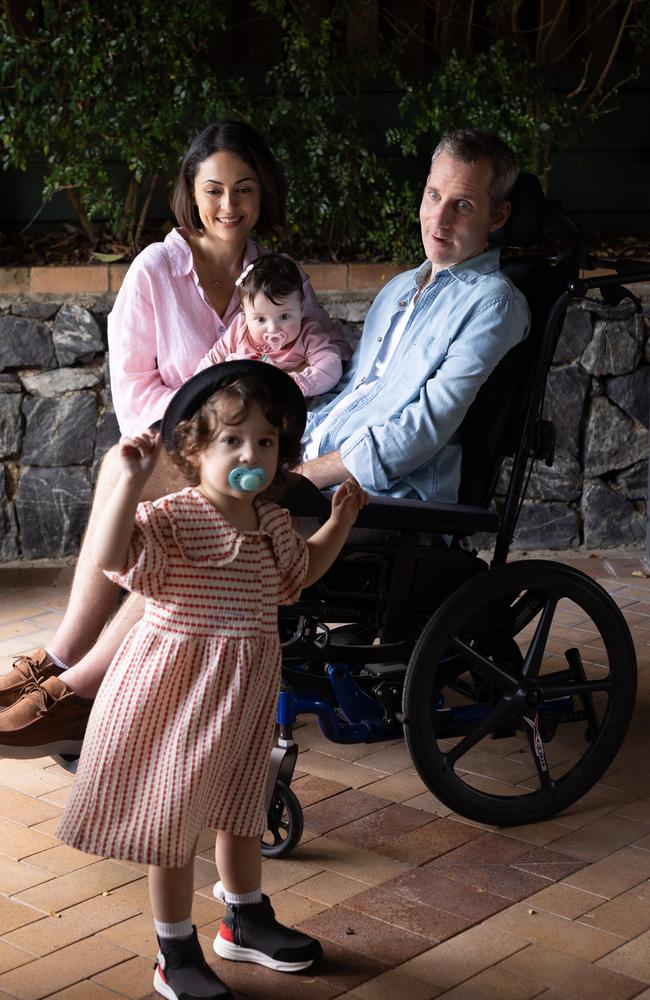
<point>500,216</point>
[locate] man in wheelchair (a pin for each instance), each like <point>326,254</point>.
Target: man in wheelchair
<point>431,338</point>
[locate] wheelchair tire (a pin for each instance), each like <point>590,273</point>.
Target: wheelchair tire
<point>284,824</point>
<point>486,669</point>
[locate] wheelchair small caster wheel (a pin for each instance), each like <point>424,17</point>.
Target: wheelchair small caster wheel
<point>285,823</point>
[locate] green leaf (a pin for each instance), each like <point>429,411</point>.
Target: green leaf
<point>108,258</point>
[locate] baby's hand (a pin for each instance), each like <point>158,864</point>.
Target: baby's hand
<point>348,501</point>
<point>138,455</point>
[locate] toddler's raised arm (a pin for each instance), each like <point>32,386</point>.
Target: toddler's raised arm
<point>138,457</point>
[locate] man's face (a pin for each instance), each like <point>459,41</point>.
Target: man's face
<point>455,214</point>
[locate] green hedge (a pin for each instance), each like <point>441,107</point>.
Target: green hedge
<point>107,94</point>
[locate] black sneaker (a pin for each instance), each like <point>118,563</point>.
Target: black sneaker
<point>182,973</point>
<point>250,933</point>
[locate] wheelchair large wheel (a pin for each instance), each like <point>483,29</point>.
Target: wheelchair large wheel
<point>506,721</point>
<point>284,824</point>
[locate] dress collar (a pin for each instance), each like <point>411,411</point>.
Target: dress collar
<point>205,537</point>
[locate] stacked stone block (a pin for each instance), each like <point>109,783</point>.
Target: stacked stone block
<point>597,397</point>
<point>57,423</point>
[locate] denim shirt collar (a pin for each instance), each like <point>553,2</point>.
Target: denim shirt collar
<point>484,263</point>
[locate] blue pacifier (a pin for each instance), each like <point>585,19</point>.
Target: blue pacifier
<point>249,480</point>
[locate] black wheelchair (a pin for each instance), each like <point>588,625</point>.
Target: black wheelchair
<point>506,721</point>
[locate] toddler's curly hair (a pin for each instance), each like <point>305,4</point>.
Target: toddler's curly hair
<point>229,406</point>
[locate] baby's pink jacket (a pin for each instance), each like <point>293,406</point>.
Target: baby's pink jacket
<point>312,352</point>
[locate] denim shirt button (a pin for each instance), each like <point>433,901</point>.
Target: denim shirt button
<point>379,340</point>
<point>402,302</point>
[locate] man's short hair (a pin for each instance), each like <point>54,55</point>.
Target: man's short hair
<point>469,145</point>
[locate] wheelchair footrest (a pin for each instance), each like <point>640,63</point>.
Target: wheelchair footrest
<point>394,669</point>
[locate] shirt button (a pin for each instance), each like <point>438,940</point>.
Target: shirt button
<point>222,329</point>
<point>379,340</point>
<point>402,302</point>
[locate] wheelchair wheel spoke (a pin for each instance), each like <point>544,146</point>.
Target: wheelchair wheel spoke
<point>485,666</point>
<point>535,655</point>
<point>580,688</point>
<point>538,752</point>
<point>492,721</point>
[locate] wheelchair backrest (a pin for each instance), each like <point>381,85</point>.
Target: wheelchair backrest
<point>494,425</point>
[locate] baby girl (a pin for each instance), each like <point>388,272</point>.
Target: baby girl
<point>272,328</point>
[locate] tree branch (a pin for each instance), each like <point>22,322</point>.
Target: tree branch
<point>77,204</point>
<point>144,212</point>
<point>612,55</point>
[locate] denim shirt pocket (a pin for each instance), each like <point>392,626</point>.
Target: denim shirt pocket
<point>422,355</point>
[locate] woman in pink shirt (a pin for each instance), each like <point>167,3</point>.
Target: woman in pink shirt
<point>178,299</point>
<point>273,328</point>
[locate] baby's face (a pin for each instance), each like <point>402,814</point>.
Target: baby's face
<point>272,325</point>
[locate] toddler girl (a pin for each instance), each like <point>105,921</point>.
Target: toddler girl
<point>180,734</point>
<point>272,327</point>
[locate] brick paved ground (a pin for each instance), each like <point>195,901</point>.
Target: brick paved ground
<point>409,900</point>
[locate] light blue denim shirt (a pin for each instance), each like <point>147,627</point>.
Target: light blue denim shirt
<point>400,436</point>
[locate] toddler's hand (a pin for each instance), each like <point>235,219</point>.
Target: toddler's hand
<point>138,455</point>
<point>348,501</point>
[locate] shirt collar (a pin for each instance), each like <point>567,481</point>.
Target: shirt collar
<point>180,253</point>
<point>484,263</point>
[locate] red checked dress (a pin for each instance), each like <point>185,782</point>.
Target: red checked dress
<point>180,733</point>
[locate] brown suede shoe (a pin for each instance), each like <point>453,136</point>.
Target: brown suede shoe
<point>47,718</point>
<point>25,669</point>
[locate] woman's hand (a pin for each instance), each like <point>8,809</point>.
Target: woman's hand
<point>348,500</point>
<point>138,455</point>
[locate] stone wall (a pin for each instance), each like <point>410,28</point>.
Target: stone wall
<point>598,398</point>
<point>57,422</point>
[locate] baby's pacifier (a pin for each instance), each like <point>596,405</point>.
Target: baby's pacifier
<point>274,341</point>
<point>248,480</point>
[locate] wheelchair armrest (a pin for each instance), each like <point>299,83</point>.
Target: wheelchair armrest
<point>420,515</point>
<point>304,500</point>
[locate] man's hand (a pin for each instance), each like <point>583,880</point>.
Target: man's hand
<point>326,470</point>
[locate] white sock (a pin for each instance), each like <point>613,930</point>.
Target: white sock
<point>242,898</point>
<point>181,929</point>
<point>56,661</point>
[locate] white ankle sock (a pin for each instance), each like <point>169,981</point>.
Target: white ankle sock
<point>181,929</point>
<point>242,898</point>
<point>56,661</point>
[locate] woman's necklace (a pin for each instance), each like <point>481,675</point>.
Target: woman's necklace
<point>212,269</point>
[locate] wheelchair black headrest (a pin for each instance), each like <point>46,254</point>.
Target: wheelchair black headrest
<point>524,225</point>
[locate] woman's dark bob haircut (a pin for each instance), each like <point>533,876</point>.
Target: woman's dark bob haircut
<point>243,141</point>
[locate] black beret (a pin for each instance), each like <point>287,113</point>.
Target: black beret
<point>193,393</point>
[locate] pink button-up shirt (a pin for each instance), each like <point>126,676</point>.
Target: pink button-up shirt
<point>162,325</point>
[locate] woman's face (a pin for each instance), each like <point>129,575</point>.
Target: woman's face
<point>228,196</point>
